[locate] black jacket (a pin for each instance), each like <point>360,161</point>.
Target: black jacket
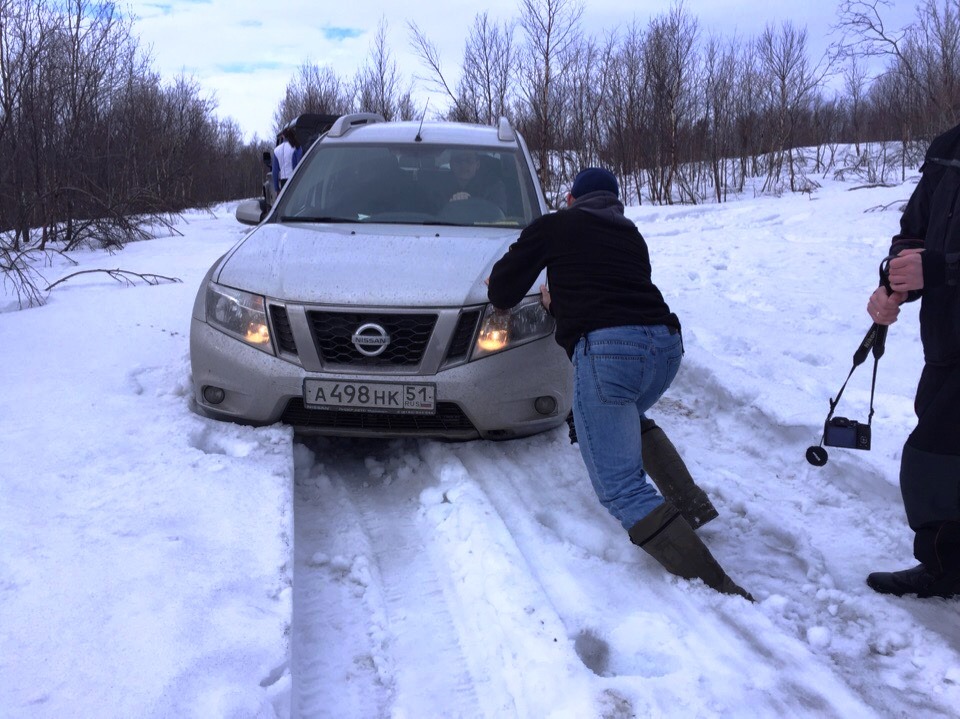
<point>931,220</point>
<point>598,270</point>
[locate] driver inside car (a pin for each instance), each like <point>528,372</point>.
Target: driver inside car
<point>470,182</point>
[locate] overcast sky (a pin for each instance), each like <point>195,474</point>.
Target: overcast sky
<point>244,57</point>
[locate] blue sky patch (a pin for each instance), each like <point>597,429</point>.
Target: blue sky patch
<point>242,68</point>
<point>341,33</point>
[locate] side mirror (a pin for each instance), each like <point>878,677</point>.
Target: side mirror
<point>268,160</point>
<point>250,212</point>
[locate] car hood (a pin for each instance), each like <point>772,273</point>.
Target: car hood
<point>369,265</point>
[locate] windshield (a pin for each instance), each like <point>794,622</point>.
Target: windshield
<point>411,184</point>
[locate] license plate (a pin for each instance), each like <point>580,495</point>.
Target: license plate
<point>400,397</point>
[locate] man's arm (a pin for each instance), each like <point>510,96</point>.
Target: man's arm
<point>514,274</point>
<point>916,215</point>
<point>907,268</point>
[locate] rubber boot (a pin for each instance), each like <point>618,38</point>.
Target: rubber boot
<point>666,468</point>
<point>667,537</point>
<point>919,580</point>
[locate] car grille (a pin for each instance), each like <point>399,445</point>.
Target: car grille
<point>282,329</point>
<point>409,335</point>
<point>448,418</point>
<point>463,335</point>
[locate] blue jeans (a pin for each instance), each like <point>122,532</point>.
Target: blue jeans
<point>619,373</point>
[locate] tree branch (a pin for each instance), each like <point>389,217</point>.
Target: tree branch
<point>123,276</point>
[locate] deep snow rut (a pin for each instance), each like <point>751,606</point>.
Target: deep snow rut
<point>363,560</point>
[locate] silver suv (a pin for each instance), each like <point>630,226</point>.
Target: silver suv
<point>358,306</point>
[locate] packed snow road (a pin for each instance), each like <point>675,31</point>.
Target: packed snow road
<point>153,568</point>
<point>484,580</point>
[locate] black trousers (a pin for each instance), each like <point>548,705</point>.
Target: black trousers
<point>930,470</point>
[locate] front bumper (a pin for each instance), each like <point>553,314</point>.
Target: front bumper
<point>490,398</point>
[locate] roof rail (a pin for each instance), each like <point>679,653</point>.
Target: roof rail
<point>505,131</point>
<point>348,122</point>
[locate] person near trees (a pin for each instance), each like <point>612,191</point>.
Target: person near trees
<point>286,155</point>
<point>925,265</point>
<point>626,348</point>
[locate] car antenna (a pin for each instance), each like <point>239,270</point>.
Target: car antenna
<point>418,138</point>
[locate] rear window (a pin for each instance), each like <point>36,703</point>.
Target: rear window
<point>411,184</point>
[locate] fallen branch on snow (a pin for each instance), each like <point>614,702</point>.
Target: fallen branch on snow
<point>124,276</point>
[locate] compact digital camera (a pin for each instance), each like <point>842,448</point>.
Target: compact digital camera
<point>843,432</point>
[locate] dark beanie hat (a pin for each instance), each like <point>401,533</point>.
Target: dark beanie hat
<point>594,179</point>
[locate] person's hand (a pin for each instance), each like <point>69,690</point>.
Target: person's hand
<point>460,196</point>
<point>906,271</point>
<point>545,297</point>
<point>884,308</point>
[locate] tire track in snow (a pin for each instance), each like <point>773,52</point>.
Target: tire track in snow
<point>373,631</point>
<point>407,566</point>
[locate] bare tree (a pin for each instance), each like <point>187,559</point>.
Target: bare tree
<point>377,84</point>
<point>314,89</point>
<point>430,57</point>
<point>720,65</point>
<point>625,113</point>
<point>791,81</point>
<point>551,30</point>
<point>94,146</point>
<point>580,131</point>
<point>488,77</point>
<point>926,53</point>
<point>934,46</point>
<point>855,83</point>
<point>672,65</point>
<point>482,93</point>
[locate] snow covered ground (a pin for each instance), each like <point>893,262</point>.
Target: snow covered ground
<point>154,563</point>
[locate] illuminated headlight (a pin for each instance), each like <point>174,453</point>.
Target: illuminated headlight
<point>504,329</point>
<point>239,314</point>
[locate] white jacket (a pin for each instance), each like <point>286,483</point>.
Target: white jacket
<point>284,154</point>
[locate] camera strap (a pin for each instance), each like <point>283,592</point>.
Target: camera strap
<point>875,340</point>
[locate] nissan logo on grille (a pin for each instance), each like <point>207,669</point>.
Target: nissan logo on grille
<point>370,339</point>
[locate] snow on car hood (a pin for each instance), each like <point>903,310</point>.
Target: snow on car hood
<point>367,265</point>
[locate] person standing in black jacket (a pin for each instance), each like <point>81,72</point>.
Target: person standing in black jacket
<point>927,265</point>
<point>626,349</point>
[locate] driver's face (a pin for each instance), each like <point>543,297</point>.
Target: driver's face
<point>464,165</point>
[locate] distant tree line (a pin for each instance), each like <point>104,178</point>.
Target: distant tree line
<point>686,116</point>
<point>90,137</point>
<point>682,116</point>
<point>94,142</point>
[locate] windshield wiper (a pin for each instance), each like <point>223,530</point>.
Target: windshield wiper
<point>299,218</point>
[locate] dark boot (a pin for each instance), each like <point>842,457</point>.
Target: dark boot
<point>667,537</point>
<point>919,580</point>
<point>666,468</point>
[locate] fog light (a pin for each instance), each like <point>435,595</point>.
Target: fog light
<point>545,405</point>
<point>213,395</point>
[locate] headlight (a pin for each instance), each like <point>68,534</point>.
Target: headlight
<point>239,314</point>
<point>503,329</point>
